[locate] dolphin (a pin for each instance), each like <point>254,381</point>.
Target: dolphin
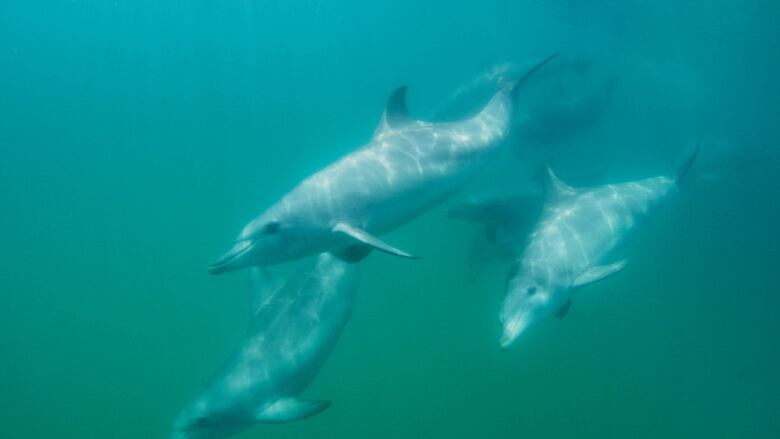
<point>293,330</point>
<point>408,167</point>
<point>568,114</point>
<point>577,230</point>
<point>507,215</point>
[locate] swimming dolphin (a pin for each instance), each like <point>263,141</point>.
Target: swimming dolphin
<point>566,115</point>
<point>408,167</point>
<point>293,330</point>
<point>507,215</point>
<point>577,230</point>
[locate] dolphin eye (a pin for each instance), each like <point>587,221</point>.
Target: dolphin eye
<point>272,227</point>
<point>531,291</point>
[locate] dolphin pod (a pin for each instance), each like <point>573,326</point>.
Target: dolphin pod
<point>335,218</point>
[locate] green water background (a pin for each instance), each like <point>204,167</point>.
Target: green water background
<point>136,138</point>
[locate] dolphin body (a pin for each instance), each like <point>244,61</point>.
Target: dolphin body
<point>577,230</point>
<point>507,215</point>
<point>292,332</point>
<point>408,167</point>
<point>566,115</point>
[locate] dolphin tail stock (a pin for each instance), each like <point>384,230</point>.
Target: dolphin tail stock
<point>685,165</point>
<point>514,88</point>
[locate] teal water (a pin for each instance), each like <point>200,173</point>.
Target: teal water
<point>136,138</point>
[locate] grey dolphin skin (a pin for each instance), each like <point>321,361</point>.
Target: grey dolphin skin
<point>408,167</point>
<point>293,330</point>
<point>577,230</point>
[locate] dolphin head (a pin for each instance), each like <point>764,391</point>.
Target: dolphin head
<point>199,421</point>
<point>527,301</point>
<point>272,238</point>
<point>253,246</point>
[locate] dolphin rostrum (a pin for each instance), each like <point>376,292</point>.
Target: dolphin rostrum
<point>577,230</point>
<point>293,330</point>
<point>408,167</point>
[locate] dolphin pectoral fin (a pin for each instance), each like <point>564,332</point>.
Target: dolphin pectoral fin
<point>563,310</point>
<point>289,409</point>
<point>595,274</point>
<point>262,285</point>
<point>366,238</point>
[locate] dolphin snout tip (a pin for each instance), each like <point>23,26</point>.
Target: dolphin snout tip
<point>506,341</point>
<point>221,265</point>
<point>233,259</point>
<point>216,268</point>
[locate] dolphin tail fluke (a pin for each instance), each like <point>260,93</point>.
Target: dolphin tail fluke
<point>685,166</point>
<point>515,87</point>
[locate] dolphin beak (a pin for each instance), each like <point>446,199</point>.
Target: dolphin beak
<point>505,341</point>
<point>511,331</point>
<point>233,259</point>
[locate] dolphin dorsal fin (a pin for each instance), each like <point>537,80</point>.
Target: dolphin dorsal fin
<point>555,188</point>
<point>396,114</point>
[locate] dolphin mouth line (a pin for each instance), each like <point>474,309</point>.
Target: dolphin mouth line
<point>223,263</point>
